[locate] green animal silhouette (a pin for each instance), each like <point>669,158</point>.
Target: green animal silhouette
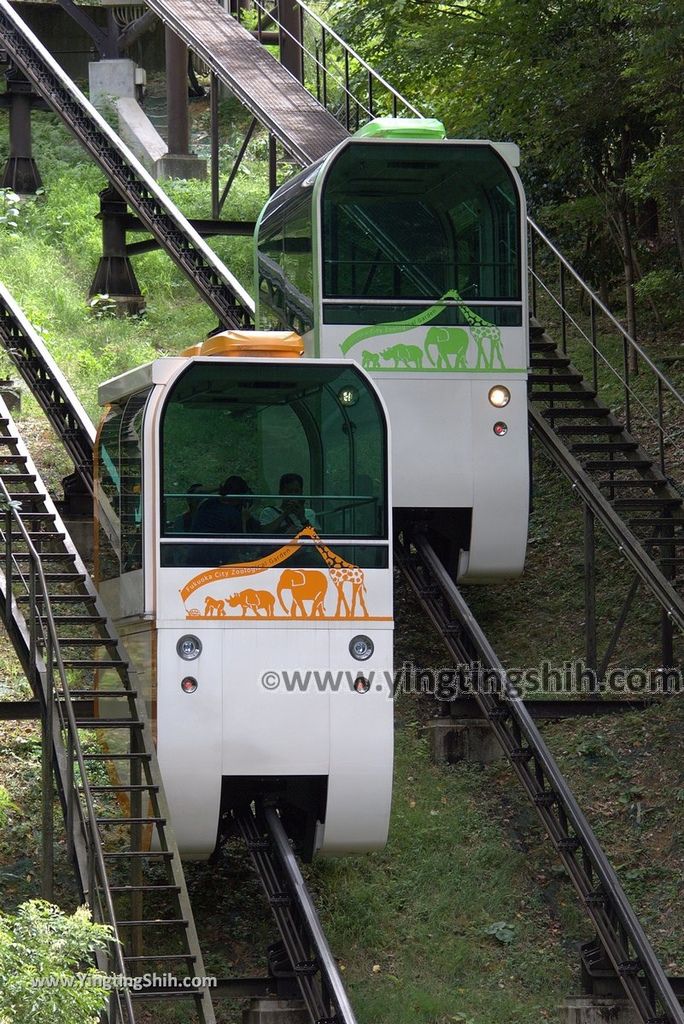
<point>449,341</point>
<point>410,355</point>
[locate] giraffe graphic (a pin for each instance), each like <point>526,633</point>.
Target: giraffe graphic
<point>482,331</point>
<point>341,573</point>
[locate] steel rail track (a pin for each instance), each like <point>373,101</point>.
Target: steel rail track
<point>206,272</point>
<point>627,947</point>
<point>48,385</point>
<point>307,948</point>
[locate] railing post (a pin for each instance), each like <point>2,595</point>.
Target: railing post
<point>533,266</point>
<point>8,566</point>
<point>661,429</point>
<point>347,108</point>
<point>625,367</point>
<point>370,93</point>
<point>591,645</point>
<point>594,350</point>
<point>324,63</point>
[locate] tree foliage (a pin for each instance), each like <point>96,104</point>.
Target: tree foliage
<point>43,979</point>
<point>591,90</point>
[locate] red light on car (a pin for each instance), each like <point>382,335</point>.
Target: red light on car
<point>500,428</point>
<point>189,685</point>
<point>362,685</point>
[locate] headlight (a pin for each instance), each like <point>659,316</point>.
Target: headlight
<point>499,396</point>
<point>361,647</point>
<point>189,647</point>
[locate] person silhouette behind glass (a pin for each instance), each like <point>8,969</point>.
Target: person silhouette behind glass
<point>292,514</point>
<point>228,511</point>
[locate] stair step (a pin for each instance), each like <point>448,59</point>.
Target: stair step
<point>555,378</point>
<point>670,562</point>
<point>640,522</point>
<point>86,641</point>
<point>655,502</point>
<point>143,888</point>
<point>130,821</point>
<point>541,346</point>
<point>127,854</point>
<point>638,482</point>
<point>617,464</point>
<point>122,787</point>
<point>154,922</point>
<point>117,757</point>
<point>100,694</point>
<point>603,446</point>
<point>562,396</point>
<point>17,478</point>
<point>589,428</point>
<point>162,956</point>
<point>90,663</point>
<point>79,620</point>
<point>109,723</point>
<point>567,412</point>
<point>663,542</point>
<point>548,361</point>
<point>61,598</point>
<point>47,556</point>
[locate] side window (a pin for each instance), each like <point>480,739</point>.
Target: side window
<point>131,462</point>
<point>120,482</point>
<point>109,491</point>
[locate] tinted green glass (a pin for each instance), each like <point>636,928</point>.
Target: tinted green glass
<point>417,221</point>
<point>232,430</point>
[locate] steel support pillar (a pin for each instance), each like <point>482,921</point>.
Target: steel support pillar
<point>272,165</point>
<point>177,95</point>
<point>291,52</point>
<point>114,275</point>
<point>21,172</point>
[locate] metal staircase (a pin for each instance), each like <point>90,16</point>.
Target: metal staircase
<point>623,458</point>
<point>111,792</point>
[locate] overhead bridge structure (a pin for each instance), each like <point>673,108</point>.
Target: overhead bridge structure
<point>57,624</point>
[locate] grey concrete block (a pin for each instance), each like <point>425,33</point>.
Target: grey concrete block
<point>462,739</point>
<point>180,165</point>
<point>110,80</point>
<point>598,1010</point>
<point>139,134</point>
<point>276,1011</point>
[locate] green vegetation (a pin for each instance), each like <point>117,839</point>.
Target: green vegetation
<point>40,942</point>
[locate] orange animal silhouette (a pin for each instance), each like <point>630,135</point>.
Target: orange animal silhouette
<point>254,601</point>
<point>214,608</point>
<point>341,573</point>
<point>310,585</point>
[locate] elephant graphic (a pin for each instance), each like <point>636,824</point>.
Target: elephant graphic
<point>310,585</point>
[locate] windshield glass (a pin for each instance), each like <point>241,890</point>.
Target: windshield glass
<point>264,450</point>
<point>408,221</point>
